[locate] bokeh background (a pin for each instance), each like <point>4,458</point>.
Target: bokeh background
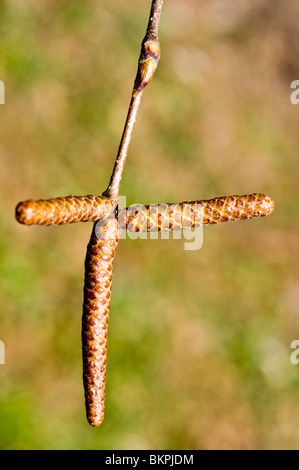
<point>199,341</point>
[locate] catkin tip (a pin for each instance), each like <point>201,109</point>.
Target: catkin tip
<point>268,204</point>
<point>95,423</point>
<point>21,214</point>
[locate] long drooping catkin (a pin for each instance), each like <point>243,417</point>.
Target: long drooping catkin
<point>158,217</point>
<point>63,210</point>
<point>97,290</point>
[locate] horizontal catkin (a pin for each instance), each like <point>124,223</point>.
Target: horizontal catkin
<point>63,210</point>
<point>159,217</point>
<point>97,291</point>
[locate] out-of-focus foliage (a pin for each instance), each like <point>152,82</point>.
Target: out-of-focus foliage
<point>199,341</point>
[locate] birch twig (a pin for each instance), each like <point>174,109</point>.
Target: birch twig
<point>147,65</point>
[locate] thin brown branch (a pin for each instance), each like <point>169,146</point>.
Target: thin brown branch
<point>147,65</point>
<point>112,192</point>
<point>154,20</point>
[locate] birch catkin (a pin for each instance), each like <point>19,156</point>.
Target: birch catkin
<point>158,217</point>
<point>97,290</point>
<point>63,210</point>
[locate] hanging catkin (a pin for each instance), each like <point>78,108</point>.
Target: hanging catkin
<point>97,291</point>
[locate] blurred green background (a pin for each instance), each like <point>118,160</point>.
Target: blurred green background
<point>199,341</point>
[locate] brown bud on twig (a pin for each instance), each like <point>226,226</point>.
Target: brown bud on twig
<point>148,63</point>
<point>158,217</point>
<point>97,290</point>
<point>63,210</point>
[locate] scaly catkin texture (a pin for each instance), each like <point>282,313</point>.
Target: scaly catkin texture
<point>97,290</point>
<point>158,217</point>
<point>63,210</point>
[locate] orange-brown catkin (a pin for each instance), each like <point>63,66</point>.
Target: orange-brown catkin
<point>158,217</point>
<point>63,210</point>
<point>97,290</point>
